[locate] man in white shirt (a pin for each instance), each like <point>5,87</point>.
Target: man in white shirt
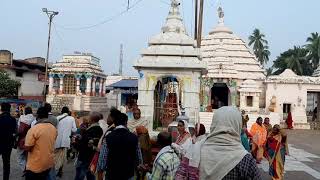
<point>66,126</point>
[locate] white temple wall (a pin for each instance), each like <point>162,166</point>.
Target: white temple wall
<point>190,95</point>
<point>294,94</point>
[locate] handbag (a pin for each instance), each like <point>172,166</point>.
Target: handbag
<point>94,163</point>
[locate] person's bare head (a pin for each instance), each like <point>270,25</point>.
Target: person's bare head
<point>164,139</point>
<point>94,117</point>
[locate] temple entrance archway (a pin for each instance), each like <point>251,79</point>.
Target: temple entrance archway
<point>166,101</point>
<point>220,95</point>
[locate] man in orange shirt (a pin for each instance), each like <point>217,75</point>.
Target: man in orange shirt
<point>259,137</point>
<point>40,141</point>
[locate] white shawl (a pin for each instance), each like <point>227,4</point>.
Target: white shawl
<point>222,150</point>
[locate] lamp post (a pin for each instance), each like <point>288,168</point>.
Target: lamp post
<point>50,15</point>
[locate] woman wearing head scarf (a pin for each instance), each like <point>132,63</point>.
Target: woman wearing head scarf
<point>277,148</point>
<point>184,135</point>
<point>222,154</point>
<point>145,146</point>
<point>189,166</point>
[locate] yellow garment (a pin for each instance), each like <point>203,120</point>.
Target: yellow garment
<point>41,138</point>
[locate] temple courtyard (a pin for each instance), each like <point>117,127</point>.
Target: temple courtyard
<point>302,164</point>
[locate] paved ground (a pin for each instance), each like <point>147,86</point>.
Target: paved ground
<point>302,164</point>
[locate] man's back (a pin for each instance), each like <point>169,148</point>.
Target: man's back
<point>66,125</point>
<point>41,138</point>
<point>166,164</point>
<point>8,126</point>
<point>122,154</point>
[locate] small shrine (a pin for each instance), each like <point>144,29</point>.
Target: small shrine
<point>77,81</point>
<point>169,74</point>
<point>291,93</point>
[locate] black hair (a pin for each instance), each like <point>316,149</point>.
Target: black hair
<point>95,117</point>
<point>5,107</point>
<point>115,113</point>
<point>42,113</point>
<point>122,120</point>
<point>65,109</point>
<point>28,110</point>
<point>101,116</point>
<point>48,107</point>
<point>164,139</point>
<point>180,121</point>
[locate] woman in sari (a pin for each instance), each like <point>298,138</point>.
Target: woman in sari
<point>189,166</point>
<point>289,121</point>
<point>145,146</point>
<point>277,148</point>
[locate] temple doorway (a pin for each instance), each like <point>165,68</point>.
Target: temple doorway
<point>166,102</point>
<point>220,95</point>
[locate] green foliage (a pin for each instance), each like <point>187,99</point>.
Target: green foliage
<point>269,71</point>
<point>8,87</point>
<point>260,46</point>
<point>313,47</point>
<point>294,59</point>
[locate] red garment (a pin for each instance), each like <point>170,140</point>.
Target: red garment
<point>289,121</point>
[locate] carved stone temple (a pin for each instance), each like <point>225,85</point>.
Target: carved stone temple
<point>169,74</point>
<point>77,81</point>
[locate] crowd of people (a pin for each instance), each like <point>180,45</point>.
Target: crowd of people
<point>268,142</point>
<point>108,149</point>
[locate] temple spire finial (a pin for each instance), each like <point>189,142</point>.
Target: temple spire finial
<point>220,15</point>
<point>174,22</point>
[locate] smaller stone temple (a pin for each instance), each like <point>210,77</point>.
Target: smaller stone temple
<point>77,81</point>
<point>169,74</point>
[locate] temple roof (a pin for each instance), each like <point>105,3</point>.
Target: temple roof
<point>172,47</point>
<point>289,77</point>
<point>228,56</point>
<point>249,86</point>
<point>71,64</point>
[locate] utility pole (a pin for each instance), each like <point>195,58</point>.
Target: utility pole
<point>121,59</point>
<point>50,15</point>
<point>200,24</point>
<point>196,20</point>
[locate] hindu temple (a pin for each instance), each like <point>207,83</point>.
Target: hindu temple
<point>169,74</point>
<point>77,81</point>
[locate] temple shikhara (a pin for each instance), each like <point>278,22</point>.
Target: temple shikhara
<point>171,78</point>
<point>175,75</point>
<point>169,74</point>
<point>77,81</point>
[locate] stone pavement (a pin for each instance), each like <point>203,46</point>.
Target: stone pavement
<point>302,164</point>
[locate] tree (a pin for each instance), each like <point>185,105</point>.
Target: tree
<point>294,59</point>
<point>260,46</point>
<point>313,47</point>
<point>269,71</point>
<point>9,87</point>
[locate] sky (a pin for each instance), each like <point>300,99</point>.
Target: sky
<point>24,27</point>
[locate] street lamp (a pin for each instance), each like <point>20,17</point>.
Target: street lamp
<point>50,15</point>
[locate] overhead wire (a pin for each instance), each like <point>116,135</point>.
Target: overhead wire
<point>133,5</point>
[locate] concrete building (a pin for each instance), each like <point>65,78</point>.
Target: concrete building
<point>30,72</point>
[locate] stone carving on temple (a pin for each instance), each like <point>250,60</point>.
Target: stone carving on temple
<point>273,101</point>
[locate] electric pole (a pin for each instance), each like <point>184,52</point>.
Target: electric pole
<point>196,20</point>
<point>121,59</point>
<point>50,15</point>
<point>199,37</point>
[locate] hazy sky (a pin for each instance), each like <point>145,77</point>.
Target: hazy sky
<point>23,27</point>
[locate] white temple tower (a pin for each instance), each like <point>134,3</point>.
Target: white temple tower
<point>230,64</point>
<point>169,69</point>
